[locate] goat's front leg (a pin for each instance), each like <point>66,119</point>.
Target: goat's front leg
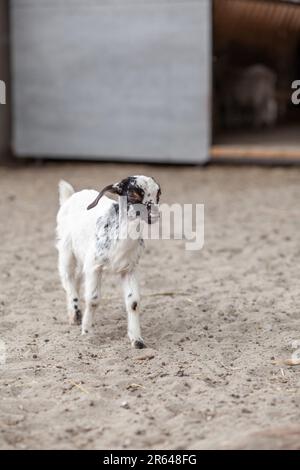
<point>92,298</point>
<point>67,271</point>
<point>132,303</point>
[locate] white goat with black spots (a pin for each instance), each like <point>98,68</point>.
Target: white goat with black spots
<point>91,240</point>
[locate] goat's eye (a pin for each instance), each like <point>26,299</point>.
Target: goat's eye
<point>134,196</point>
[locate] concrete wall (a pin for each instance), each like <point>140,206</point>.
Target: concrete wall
<point>126,79</point>
<point>4,75</point>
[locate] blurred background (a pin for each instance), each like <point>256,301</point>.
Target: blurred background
<point>144,81</point>
<point>255,61</point>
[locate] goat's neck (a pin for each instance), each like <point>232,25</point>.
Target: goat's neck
<point>129,224</point>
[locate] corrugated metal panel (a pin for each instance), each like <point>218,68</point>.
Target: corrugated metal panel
<point>112,78</point>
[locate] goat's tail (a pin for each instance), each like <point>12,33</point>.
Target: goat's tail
<point>65,191</point>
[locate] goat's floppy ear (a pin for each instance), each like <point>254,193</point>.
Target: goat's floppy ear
<point>112,188</point>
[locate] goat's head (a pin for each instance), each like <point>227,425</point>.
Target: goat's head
<point>142,194</point>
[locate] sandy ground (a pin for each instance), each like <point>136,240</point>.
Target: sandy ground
<point>208,378</point>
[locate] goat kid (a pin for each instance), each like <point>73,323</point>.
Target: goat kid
<point>90,240</point>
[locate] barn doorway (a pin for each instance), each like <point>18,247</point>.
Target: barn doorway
<point>256,58</point>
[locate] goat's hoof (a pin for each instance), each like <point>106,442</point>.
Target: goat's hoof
<point>138,344</point>
<point>87,330</point>
<point>76,318</point>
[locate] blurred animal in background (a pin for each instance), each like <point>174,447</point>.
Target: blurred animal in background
<point>248,97</point>
<point>90,233</point>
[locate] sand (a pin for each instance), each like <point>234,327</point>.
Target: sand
<point>211,376</point>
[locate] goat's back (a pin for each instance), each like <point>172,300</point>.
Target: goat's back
<point>76,226</point>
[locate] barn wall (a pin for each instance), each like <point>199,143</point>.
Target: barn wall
<point>4,75</point>
<point>126,79</point>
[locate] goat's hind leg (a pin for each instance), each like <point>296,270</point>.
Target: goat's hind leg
<point>69,279</point>
<point>92,298</point>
